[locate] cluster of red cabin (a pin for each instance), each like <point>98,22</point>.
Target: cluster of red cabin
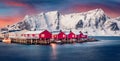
<point>61,35</point>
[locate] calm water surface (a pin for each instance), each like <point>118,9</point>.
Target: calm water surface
<point>107,49</point>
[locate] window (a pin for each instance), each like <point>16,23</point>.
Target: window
<point>42,35</point>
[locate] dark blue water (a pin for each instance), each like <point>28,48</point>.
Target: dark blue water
<point>108,49</point>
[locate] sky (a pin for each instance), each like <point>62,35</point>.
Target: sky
<point>12,11</point>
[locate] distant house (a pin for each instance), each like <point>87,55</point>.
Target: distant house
<point>3,30</point>
<point>31,34</point>
<point>13,33</point>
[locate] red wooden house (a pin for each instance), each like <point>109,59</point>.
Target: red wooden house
<point>81,36</point>
<point>61,35</point>
<point>84,36</point>
<point>45,35</point>
<point>71,35</point>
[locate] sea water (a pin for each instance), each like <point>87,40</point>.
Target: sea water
<point>107,49</point>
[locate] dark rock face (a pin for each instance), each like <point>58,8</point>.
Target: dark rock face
<point>114,26</point>
<point>79,24</point>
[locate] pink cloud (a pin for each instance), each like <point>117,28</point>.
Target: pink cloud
<point>9,20</point>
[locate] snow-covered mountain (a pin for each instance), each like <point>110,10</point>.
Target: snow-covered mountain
<point>47,20</point>
<point>94,22</point>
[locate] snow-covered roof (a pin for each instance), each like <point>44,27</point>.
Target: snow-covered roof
<point>66,32</point>
<point>33,32</point>
<point>55,32</point>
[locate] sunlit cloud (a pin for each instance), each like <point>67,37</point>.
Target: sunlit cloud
<point>4,21</point>
<point>18,4</point>
<point>14,12</point>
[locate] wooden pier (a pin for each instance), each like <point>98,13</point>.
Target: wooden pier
<point>48,41</point>
<point>31,41</point>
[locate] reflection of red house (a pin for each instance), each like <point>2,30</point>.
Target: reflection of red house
<point>45,35</point>
<point>61,35</point>
<point>71,35</point>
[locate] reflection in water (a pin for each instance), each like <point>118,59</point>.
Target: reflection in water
<point>54,52</point>
<point>6,40</point>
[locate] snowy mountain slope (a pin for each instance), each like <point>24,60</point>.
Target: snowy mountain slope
<point>47,20</point>
<point>94,22</point>
<point>94,19</point>
<point>52,19</point>
<point>113,24</point>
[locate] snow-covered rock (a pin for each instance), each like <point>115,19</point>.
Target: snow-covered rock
<point>94,19</point>
<point>93,23</point>
<point>112,26</point>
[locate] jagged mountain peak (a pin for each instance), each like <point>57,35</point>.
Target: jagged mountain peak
<point>42,13</point>
<point>91,21</point>
<point>68,21</point>
<point>97,10</point>
<point>26,16</point>
<point>52,12</point>
<point>94,19</point>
